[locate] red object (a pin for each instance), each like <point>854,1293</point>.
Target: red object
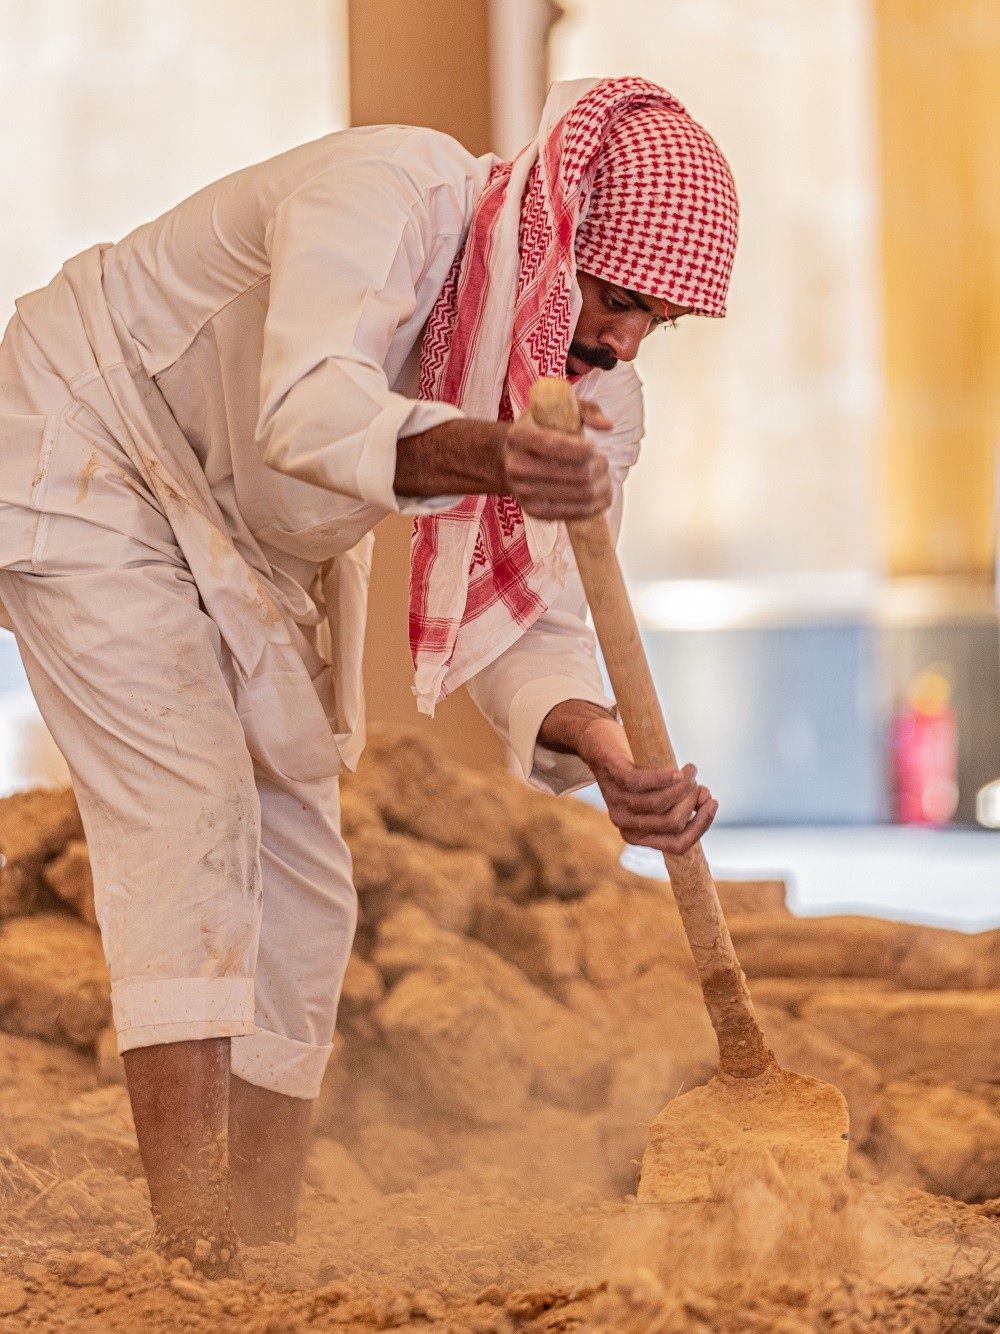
<point>925,765</point>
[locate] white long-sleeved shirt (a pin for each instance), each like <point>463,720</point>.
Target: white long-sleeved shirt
<point>280,313</point>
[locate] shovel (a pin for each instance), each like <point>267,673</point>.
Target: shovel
<point>752,1114</point>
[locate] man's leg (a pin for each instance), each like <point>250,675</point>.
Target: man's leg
<point>173,816</point>
<point>309,916</point>
<point>268,1143</point>
<point>180,1098</point>
<point>126,669</point>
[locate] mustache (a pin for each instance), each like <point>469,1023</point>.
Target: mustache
<point>599,357</point>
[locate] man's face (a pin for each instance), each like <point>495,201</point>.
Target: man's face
<point>613,322</point>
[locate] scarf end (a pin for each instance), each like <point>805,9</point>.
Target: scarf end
<point>428,687</point>
<point>425,704</point>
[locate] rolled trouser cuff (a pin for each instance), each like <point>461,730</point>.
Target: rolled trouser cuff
<point>183,1009</point>
<point>280,1064</point>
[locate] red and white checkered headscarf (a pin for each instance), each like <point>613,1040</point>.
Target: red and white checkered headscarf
<point>621,183</point>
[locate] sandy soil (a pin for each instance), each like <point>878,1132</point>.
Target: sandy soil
<point>517,1011</point>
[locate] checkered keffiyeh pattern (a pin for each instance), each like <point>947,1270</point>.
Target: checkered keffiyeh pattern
<point>662,222</point>
<point>622,183</point>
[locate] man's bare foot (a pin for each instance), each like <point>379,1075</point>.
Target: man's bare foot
<point>212,1257</point>
<point>268,1143</point>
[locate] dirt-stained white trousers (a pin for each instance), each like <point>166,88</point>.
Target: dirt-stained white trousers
<point>223,892</point>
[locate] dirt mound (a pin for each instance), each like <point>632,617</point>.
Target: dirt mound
<point>517,1011</point>
<point>35,827</point>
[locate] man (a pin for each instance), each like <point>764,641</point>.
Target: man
<point>201,425</point>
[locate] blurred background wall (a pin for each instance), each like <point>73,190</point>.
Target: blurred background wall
<point>113,110</point>
<point>939,191</point>
<point>812,519</point>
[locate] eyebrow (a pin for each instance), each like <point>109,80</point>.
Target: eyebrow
<point>639,300</point>
<point>642,302</point>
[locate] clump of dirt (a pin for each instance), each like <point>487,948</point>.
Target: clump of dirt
<point>35,828</point>
<point>517,1010</point>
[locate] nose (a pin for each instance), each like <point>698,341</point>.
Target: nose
<point>623,336</point>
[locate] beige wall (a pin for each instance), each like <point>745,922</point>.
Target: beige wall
<point>421,62</point>
<point>113,110</point>
<point>424,62</point>
<point>939,63</point>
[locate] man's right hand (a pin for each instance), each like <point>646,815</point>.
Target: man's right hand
<point>551,474</point>
<point>555,475</point>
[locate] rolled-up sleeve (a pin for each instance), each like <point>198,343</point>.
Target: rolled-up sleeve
<point>556,659</point>
<point>348,251</point>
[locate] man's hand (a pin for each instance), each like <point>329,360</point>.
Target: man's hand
<point>653,808</point>
<point>554,475</point>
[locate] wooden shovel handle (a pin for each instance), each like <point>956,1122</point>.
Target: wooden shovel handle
<point>743,1053</point>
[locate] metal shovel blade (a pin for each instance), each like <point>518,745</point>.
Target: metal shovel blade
<point>794,1122</point>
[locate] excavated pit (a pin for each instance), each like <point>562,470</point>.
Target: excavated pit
<point>517,1011</point>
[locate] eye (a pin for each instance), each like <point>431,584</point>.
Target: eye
<point>617,303</point>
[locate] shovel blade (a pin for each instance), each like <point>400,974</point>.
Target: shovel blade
<point>792,1126</point>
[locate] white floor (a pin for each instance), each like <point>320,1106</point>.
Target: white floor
<point>945,877</point>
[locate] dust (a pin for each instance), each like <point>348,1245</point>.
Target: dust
<point>87,474</point>
<point>511,1024</point>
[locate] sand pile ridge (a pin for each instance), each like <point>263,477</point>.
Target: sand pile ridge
<point>517,1010</point>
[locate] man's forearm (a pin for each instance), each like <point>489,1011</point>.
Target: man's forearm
<point>563,727</point>
<point>463,457</point>
<point>551,474</point>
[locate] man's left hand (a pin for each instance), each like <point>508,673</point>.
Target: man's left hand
<point>654,808</point>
